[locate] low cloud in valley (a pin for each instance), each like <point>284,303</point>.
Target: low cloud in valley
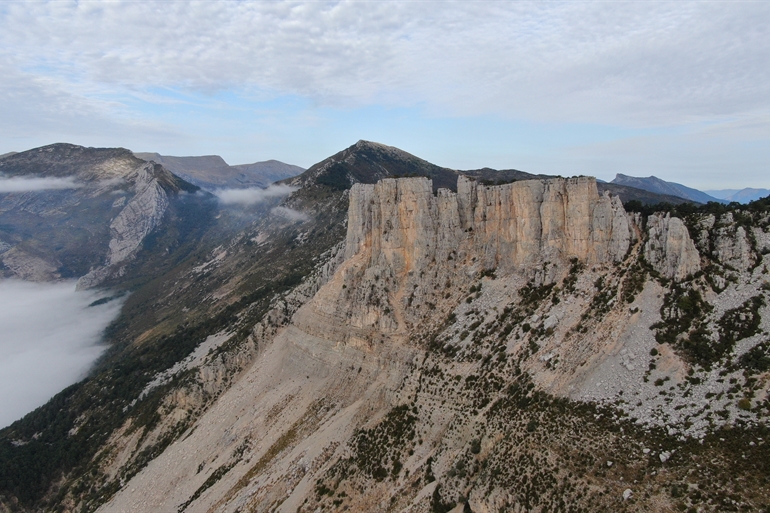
<point>50,338</point>
<point>252,195</point>
<point>17,184</point>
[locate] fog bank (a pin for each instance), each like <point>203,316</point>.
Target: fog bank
<point>48,340</point>
<point>20,184</point>
<point>252,195</point>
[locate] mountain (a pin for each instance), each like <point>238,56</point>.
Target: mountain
<point>266,172</point>
<point>211,172</point>
<point>367,162</point>
<point>656,185</point>
<point>110,203</point>
<point>374,342</point>
<point>741,196</point>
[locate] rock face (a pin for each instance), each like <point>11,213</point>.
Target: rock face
<point>140,216</point>
<point>670,249</point>
<point>732,246</point>
<point>407,248</point>
<point>508,226</point>
<point>93,228</point>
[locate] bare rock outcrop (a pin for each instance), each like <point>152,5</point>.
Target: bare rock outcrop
<point>138,218</point>
<point>510,226</point>
<point>732,246</point>
<point>669,249</point>
<point>408,250</point>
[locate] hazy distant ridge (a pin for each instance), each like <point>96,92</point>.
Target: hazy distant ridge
<point>211,172</point>
<point>655,184</point>
<point>740,195</point>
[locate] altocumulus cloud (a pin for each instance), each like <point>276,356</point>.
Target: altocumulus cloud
<point>50,338</point>
<point>17,184</point>
<point>252,195</point>
<point>632,62</point>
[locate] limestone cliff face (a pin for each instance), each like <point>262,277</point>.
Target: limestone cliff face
<point>509,226</point>
<point>408,251</point>
<point>138,218</point>
<point>669,248</point>
<point>731,245</point>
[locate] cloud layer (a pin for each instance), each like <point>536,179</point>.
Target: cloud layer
<point>36,184</point>
<point>252,195</point>
<point>231,76</point>
<point>49,341</point>
<point>635,62</point>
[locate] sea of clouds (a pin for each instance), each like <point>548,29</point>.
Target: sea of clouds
<point>49,338</point>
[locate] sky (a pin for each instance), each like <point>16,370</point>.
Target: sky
<point>49,341</point>
<point>679,90</point>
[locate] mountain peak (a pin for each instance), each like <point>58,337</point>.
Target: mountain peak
<point>369,162</point>
<point>659,186</point>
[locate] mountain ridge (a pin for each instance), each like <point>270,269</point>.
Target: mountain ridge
<point>211,172</point>
<point>740,195</point>
<point>655,184</point>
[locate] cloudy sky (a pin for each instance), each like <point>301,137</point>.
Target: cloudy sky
<point>680,90</point>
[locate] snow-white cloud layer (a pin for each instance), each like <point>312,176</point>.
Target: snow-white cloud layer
<point>49,340</point>
<point>251,195</point>
<point>17,184</point>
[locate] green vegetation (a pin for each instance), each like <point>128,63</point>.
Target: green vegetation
<point>378,450</point>
<point>739,323</point>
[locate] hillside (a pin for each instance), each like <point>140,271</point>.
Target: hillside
<point>375,343</point>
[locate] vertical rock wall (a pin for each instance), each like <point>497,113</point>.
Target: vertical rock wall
<point>509,226</point>
<point>669,248</point>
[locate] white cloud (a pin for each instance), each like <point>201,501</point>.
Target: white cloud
<point>630,62</point>
<point>290,214</point>
<point>252,195</point>
<point>50,339</point>
<point>17,184</point>
<point>248,77</point>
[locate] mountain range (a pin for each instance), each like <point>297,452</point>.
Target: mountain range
<point>740,195</point>
<point>392,335</point>
<point>655,184</point>
<point>211,172</point>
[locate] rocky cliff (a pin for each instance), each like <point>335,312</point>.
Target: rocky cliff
<point>137,219</point>
<point>509,226</point>
<point>93,225</point>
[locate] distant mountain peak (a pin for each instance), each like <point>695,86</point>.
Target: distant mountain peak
<point>659,186</point>
<point>211,172</point>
